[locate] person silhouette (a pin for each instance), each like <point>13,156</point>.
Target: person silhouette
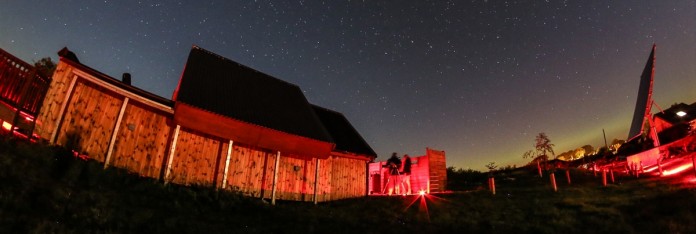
<point>406,174</point>
<point>393,165</point>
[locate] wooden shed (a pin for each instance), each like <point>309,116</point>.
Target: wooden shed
<point>228,126</point>
<point>428,174</point>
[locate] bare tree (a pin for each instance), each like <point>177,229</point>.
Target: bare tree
<point>491,166</point>
<point>543,146</point>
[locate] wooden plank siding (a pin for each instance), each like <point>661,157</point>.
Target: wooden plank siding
<point>246,169</point>
<point>295,179</point>
<point>341,178</point>
<point>438,170</point>
<point>81,111</point>
<point>197,159</point>
<point>89,120</point>
<point>348,178</point>
<point>53,101</point>
<point>325,179</point>
<point>142,140</point>
<point>251,173</point>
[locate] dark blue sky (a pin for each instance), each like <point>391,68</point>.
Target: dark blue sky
<point>478,79</point>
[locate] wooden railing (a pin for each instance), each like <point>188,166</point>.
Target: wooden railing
<point>22,90</point>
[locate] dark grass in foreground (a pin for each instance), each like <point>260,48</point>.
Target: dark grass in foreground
<point>43,190</point>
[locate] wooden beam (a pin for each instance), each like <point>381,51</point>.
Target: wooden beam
<point>367,178</point>
<point>115,132</point>
<point>61,113</point>
<point>227,164</point>
<point>316,182</point>
<point>171,154</point>
<point>275,178</point>
<point>351,156</point>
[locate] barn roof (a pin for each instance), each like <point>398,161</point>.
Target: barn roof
<point>224,87</point>
<point>343,133</point>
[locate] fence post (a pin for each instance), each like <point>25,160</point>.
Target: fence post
<point>568,176</point>
<point>659,165</point>
<point>604,177</point>
<point>611,173</point>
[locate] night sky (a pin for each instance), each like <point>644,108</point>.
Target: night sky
<point>477,79</point>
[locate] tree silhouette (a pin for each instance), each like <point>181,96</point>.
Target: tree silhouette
<point>491,166</point>
<point>529,154</point>
<point>543,146</point>
<point>45,67</point>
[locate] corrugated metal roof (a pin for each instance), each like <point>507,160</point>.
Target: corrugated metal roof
<point>343,133</point>
<point>222,86</point>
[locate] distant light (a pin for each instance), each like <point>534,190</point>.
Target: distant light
<point>422,193</point>
<point>681,113</point>
<point>7,126</point>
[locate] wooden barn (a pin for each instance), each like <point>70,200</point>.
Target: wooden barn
<point>228,126</point>
<point>21,92</point>
<point>428,174</point>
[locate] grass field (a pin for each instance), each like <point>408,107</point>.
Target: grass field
<point>45,190</point>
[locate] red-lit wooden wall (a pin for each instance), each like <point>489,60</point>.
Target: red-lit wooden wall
<point>428,174</point>
<point>120,128</point>
<point>21,92</point>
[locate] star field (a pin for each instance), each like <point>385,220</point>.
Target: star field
<point>478,79</point>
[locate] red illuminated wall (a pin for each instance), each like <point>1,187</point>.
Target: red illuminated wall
<point>428,173</point>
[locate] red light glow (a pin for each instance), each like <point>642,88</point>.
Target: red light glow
<point>650,169</point>
<point>422,193</point>
<point>690,180</point>
<point>26,116</point>
<point>678,169</point>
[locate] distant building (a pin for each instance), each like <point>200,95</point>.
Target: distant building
<point>675,122</point>
<point>676,114</point>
